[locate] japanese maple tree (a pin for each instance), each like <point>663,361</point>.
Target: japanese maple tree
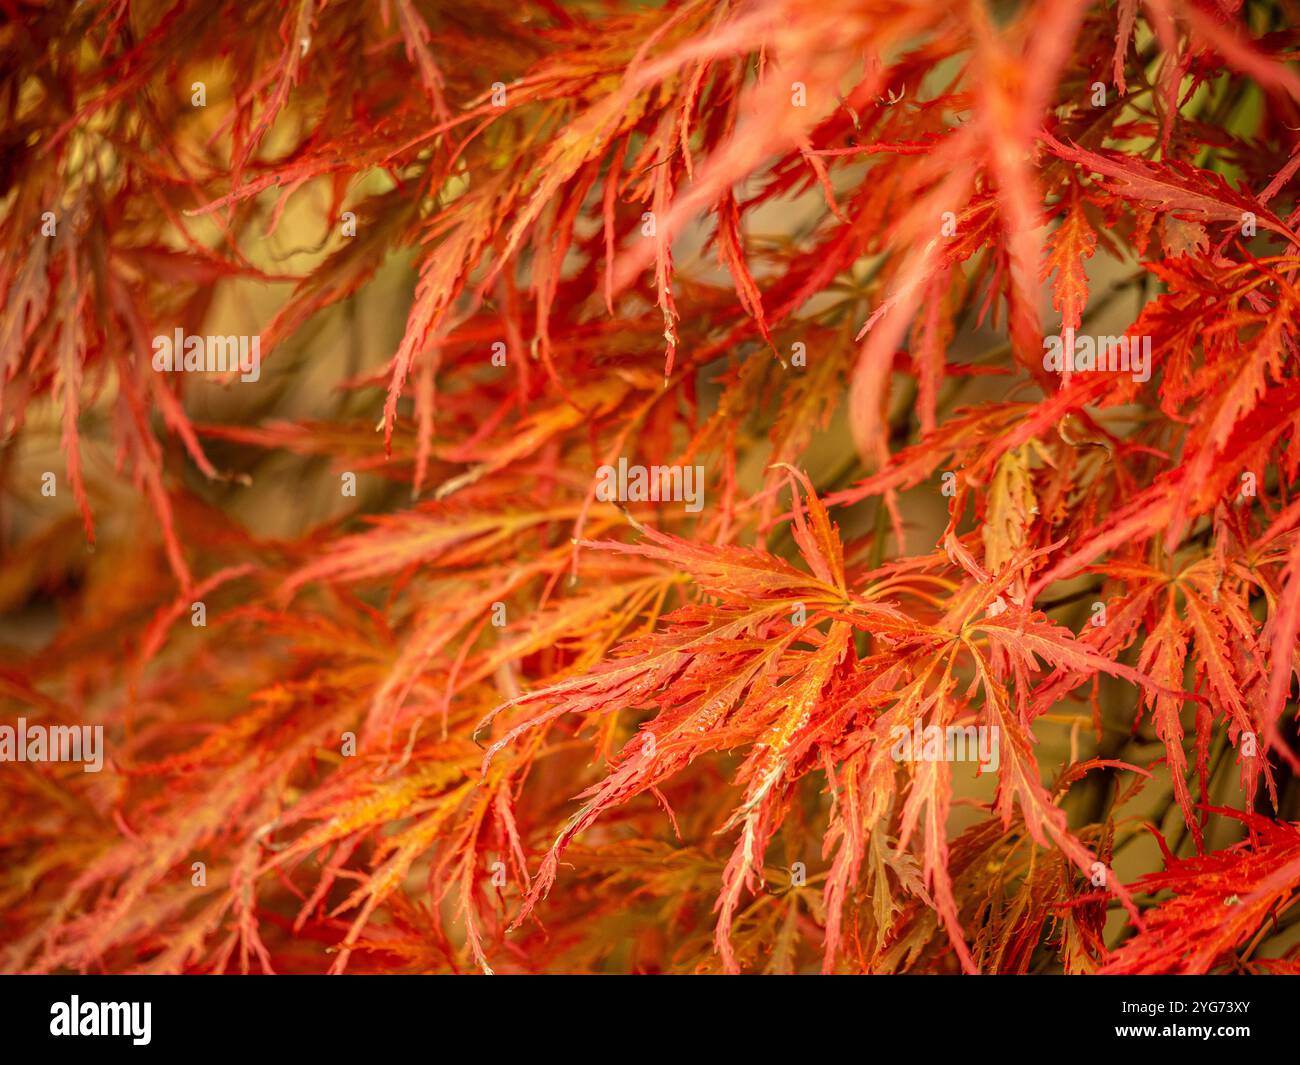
<point>655,432</point>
